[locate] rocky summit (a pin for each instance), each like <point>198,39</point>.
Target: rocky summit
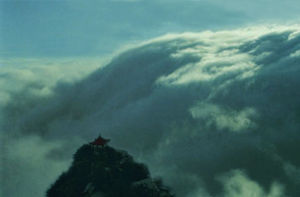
<point>102,171</point>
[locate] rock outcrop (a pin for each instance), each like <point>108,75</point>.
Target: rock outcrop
<point>102,171</point>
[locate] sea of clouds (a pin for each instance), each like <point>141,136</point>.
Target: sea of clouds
<point>212,113</point>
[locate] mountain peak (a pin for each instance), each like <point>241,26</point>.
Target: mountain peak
<point>99,171</point>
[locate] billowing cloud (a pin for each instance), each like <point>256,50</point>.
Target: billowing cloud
<point>25,167</point>
<point>236,183</point>
<point>212,113</point>
<point>223,119</point>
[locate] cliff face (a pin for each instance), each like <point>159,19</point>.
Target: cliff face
<point>99,171</point>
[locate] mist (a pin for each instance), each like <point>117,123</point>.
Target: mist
<point>211,113</point>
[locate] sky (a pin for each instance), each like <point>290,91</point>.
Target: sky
<point>210,88</point>
<point>42,28</point>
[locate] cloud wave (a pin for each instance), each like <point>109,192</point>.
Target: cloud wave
<point>213,113</point>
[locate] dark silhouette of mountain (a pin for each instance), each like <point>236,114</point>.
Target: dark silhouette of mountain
<point>102,171</point>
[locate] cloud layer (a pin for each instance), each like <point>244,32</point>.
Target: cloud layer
<point>213,113</point>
